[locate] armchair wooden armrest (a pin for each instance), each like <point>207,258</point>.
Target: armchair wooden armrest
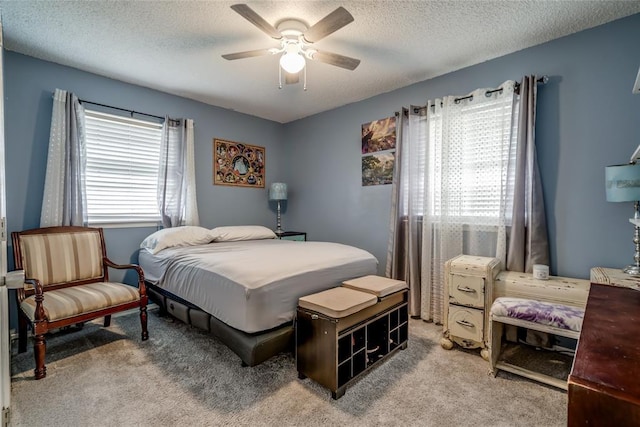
<point>38,291</point>
<point>141,286</point>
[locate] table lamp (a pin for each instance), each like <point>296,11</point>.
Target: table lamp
<point>278,192</point>
<point>623,185</point>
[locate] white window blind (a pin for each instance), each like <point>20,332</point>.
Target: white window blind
<point>122,169</point>
<point>480,151</point>
<point>461,164</point>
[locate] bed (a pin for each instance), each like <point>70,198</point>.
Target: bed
<point>242,284</point>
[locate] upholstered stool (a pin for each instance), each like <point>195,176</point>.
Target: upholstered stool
<point>553,318</point>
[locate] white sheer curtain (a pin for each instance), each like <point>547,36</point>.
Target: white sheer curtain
<point>469,184</point>
<point>64,201</point>
<point>176,176</point>
<point>453,189</point>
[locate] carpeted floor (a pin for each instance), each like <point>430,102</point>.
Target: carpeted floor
<point>182,376</point>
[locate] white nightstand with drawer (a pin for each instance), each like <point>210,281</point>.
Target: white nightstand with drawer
<point>468,288</point>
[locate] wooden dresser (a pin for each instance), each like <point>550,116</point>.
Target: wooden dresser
<point>604,384</point>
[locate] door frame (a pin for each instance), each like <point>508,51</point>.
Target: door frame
<point>5,343</point>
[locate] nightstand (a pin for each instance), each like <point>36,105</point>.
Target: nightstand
<point>614,277</point>
<point>469,286</point>
<point>293,235</point>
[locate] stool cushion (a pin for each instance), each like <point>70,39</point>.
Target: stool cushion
<point>337,302</point>
<point>544,313</point>
<point>376,285</point>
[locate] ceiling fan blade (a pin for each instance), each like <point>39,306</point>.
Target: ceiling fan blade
<point>250,15</point>
<point>290,78</point>
<point>246,54</point>
<point>337,60</point>
<point>327,25</point>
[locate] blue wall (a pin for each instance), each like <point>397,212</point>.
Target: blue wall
<point>587,119</point>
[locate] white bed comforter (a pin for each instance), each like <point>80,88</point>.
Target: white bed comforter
<point>254,285</point>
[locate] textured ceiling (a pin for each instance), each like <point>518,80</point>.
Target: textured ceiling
<point>176,46</point>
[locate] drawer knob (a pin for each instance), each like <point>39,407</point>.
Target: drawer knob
<point>467,289</point>
<point>465,323</point>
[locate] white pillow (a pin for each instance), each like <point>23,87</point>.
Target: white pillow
<point>187,235</point>
<point>242,232</point>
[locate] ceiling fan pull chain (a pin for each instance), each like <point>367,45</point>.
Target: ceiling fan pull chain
<point>304,87</point>
<point>279,77</point>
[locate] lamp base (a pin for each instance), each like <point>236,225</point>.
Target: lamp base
<point>632,270</point>
<point>279,229</point>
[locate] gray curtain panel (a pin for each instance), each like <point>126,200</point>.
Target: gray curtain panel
<point>528,240</point>
<point>75,203</point>
<point>172,183</point>
<point>64,199</point>
<point>404,254</point>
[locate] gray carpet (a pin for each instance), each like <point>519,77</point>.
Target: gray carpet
<point>182,376</point>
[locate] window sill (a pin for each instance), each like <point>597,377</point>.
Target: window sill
<point>125,224</point>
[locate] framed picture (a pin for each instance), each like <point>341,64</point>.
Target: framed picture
<point>238,164</point>
<point>379,135</point>
<point>377,169</point>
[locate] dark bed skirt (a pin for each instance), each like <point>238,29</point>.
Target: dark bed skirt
<point>252,349</point>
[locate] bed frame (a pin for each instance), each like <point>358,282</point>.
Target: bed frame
<point>252,349</point>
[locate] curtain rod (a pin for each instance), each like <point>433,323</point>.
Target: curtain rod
<point>132,112</point>
<point>541,80</point>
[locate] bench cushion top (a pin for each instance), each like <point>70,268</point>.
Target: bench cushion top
<point>376,285</point>
<point>544,313</point>
<point>338,302</point>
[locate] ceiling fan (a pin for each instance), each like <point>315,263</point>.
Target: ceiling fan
<point>296,42</point>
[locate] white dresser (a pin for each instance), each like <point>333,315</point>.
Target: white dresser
<point>469,287</point>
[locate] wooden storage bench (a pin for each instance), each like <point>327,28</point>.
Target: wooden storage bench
<point>342,333</point>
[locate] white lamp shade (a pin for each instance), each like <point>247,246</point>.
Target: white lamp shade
<point>278,191</point>
<point>623,182</point>
<point>292,62</point>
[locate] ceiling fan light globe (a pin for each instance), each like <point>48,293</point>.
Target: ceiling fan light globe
<point>292,62</point>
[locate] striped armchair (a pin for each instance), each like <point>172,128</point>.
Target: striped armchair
<point>67,282</point>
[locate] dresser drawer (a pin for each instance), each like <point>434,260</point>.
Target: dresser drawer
<point>466,323</point>
<point>466,290</point>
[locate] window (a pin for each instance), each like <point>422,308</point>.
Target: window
<point>122,169</point>
<point>477,175</point>
<point>460,163</point>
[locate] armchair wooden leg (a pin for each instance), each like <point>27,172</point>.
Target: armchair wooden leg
<point>107,321</point>
<point>22,333</point>
<point>39,350</point>
<point>143,322</point>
